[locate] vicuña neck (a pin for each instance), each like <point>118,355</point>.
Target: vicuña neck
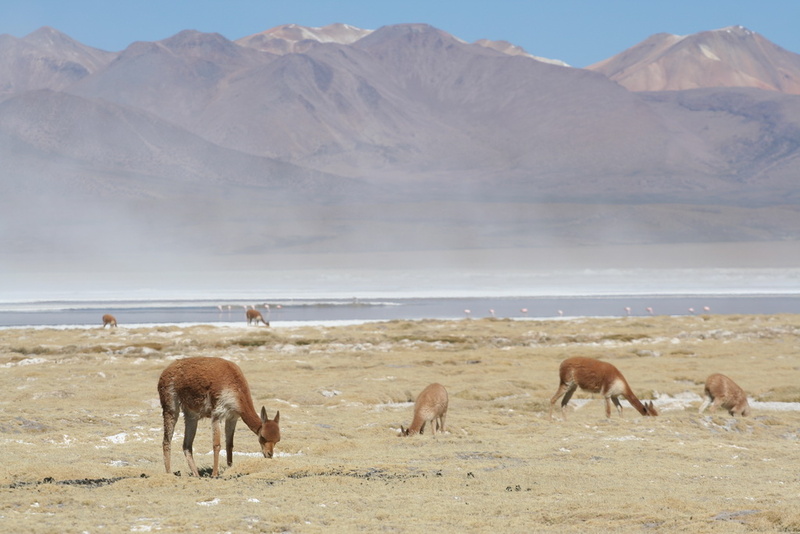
<point>251,418</point>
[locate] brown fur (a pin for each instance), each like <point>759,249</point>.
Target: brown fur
<point>722,391</point>
<point>254,316</point>
<point>109,319</point>
<point>431,405</point>
<point>596,376</point>
<point>215,388</point>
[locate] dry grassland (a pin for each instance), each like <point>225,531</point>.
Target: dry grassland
<point>80,428</point>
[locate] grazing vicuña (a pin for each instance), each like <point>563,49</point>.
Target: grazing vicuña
<point>431,405</point>
<point>722,391</point>
<point>110,320</point>
<point>596,376</point>
<point>254,316</point>
<point>215,388</point>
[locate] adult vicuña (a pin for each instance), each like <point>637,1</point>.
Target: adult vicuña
<point>215,388</point>
<point>431,405</point>
<point>722,391</point>
<point>254,316</point>
<point>596,376</point>
<point>109,319</point>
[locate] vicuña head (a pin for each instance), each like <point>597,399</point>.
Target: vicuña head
<point>596,376</point>
<point>431,405</point>
<point>254,316</point>
<point>215,388</point>
<point>722,391</point>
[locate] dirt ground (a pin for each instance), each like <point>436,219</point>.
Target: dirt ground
<point>81,429</point>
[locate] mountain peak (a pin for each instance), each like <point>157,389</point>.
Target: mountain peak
<point>735,30</point>
<point>289,38</point>
<point>47,37</point>
<point>733,56</point>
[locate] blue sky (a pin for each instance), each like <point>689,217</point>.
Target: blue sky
<point>580,32</point>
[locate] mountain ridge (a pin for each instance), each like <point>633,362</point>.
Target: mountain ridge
<point>337,145</point>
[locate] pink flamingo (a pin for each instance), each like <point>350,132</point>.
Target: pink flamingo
<point>524,311</point>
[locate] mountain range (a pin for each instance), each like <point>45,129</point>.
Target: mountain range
<point>339,139</point>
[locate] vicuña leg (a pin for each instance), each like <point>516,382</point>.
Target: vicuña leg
<point>230,428</point>
<point>188,439</point>
<point>566,390</point>
<point>616,402</point>
<point>170,419</point>
<point>215,434</point>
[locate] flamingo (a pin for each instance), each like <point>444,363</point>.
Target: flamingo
<point>628,311</point>
<point>524,311</point>
<point>491,311</point>
<point>649,310</point>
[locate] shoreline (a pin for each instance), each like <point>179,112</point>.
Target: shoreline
<point>138,313</point>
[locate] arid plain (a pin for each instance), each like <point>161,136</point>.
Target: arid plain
<point>80,428</point>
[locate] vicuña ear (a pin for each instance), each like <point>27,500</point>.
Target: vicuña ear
<point>264,417</point>
<point>277,416</point>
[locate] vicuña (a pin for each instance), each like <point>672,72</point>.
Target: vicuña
<point>109,320</point>
<point>431,405</point>
<point>596,376</point>
<point>254,316</point>
<point>722,391</point>
<point>215,388</point>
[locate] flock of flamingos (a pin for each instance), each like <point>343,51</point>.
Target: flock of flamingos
<point>216,388</point>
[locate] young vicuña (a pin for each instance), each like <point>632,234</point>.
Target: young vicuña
<point>215,388</point>
<point>596,376</point>
<point>722,391</point>
<point>431,405</point>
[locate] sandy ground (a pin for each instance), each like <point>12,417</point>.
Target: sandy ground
<point>80,428</point>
